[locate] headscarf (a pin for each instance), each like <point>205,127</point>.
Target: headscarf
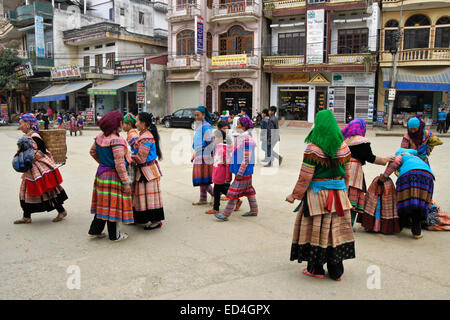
<point>110,122</point>
<point>29,117</point>
<point>416,137</point>
<point>246,123</point>
<point>356,127</point>
<point>203,110</point>
<point>326,134</point>
<point>129,119</point>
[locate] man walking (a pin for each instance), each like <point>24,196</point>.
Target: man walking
<point>273,136</point>
<point>442,117</point>
<point>263,134</point>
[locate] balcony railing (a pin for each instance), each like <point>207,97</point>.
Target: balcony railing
<point>430,55</point>
<point>355,58</point>
<point>24,15</point>
<point>232,10</point>
<point>186,11</point>
<point>89,32</point>
<point>40,62</point>
<point>183,62</point>
<point>283,4</point>
<point>283,61</point>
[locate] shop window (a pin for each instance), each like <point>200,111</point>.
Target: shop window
<point>185,43</point>
<point>390,32</point>
<point>110,59</point>
<point>291,44</point>
<point>353,41</point>
<point>442,39</point>
<point>209,45</point>
<point>122,11</point>
<point>236,41</point>
<point>99,60</point>
<point>141,18</point>
<point>293,103</point>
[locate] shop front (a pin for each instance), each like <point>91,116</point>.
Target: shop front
<point>184,90</point>
<point>352,95</point>
<point>417,91</point>
<point>235,94</point>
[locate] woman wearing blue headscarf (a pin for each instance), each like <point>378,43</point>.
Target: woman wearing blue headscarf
<point>414,188</point>
<point>203,154</point>
<point>417,138</point>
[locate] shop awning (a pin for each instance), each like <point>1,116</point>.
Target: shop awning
<point>59,91</point>
<point>427,79</point>
<point>111,87</point>
<point>183,76</point>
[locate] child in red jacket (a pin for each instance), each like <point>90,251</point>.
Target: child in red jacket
<point>221,171</point>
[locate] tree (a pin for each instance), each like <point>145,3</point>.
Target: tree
<point>8,80</point>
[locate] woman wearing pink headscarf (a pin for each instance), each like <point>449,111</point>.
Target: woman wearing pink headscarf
<point>355,137</point>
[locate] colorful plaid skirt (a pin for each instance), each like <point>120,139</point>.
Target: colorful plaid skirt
<point>357,186</point>
<point>203,169</point>
<point>322,238</point>
<point>241,187</point>
<point>414,191</point>
<point>147,201</point>
<point>108,200</point>
<point>40,203</point>
<point>356,197</point>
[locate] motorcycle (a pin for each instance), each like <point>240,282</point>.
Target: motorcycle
<point>257,119</point>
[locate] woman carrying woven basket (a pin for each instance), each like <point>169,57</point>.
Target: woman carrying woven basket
<point>40,189</point>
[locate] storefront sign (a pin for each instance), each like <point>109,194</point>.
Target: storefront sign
<point>90,116</point>
<point>65,72</point>
<point>140,92</point>
<point>391,96</point>
<point>229,60</point>
<point>380,118</point>
<point>353,79</point>
<point>130,66</point>
<point>104,92</point>
<point>199,35</point>
<point>24,71</point>
<point>39,36</point>
<point>4,110</point>
<point>314,37</point>
<point>290,78</point>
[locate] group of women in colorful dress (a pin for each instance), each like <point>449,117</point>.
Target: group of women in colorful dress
<point>331,184</point>
<point>331,188</point>
<point>216,158</point>
<point>120,193</point>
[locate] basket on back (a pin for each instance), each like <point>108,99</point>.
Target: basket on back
<point>55,141</point>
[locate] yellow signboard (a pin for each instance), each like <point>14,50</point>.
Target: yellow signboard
<point>229,60</point>
<point>300,77</point>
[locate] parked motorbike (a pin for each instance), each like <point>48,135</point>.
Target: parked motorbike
<point>257,119</point>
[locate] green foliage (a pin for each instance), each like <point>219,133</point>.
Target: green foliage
<point>8,61</point>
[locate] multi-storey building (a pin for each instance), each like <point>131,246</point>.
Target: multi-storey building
<point>323,55</point>
<point>81,48</point>
<point>423,73</point>
<point>226,74</point>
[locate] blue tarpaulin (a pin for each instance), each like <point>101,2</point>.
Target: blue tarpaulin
<point>59,91</point>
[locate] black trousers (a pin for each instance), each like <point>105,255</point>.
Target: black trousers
<point>441,126</point>
<point>73,131</point>
<point>58,207</point>
<point>334,270</point>
<point>98,225</point>
<point>218,190</point>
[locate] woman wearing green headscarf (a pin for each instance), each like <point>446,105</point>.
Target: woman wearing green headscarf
<point>323,230</point>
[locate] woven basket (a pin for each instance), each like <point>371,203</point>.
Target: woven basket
<point>55,141</point>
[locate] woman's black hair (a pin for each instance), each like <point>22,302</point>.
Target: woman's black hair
<point>223,124</point>
<point>266,112</point>
<point>147,118</point>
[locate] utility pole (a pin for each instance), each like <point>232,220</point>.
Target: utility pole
<point>394,70</point>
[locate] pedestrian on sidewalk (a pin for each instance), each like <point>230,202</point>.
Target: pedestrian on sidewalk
<point>60,121</point>
<point>263,136</point>
<point>417,138</point>
<point>442,118</point>
<point>203,154</point>
<point>111,196</point>
<point>73,124</point>
<point>323,231</point>
<point>355,138</point>
<point>235,118</point>
<point>221,171</point>
<point>41,188</point>
<point>80,123</point>
<point>147,199</point>
<point>242,165</point>
<point>414,189</point>
<point>129,126</point>
<point>273,136</point>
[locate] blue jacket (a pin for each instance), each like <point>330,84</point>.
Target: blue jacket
<point>411,161</point>
<point>442,116</point>
<point>238,157</point>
